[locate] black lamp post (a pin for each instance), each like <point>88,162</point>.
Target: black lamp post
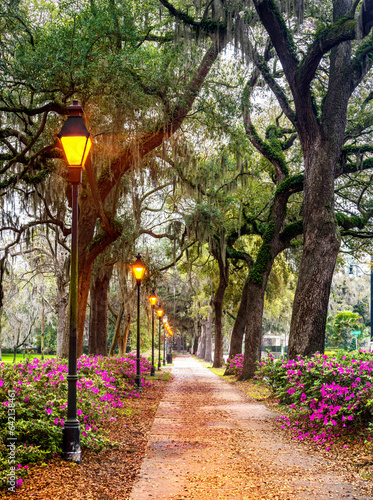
<point>138,270</point>
<point>164,340</point>
<point>159,314</point>
<point>153,301</point>
<point>371,292</point>
<point>76,143</point>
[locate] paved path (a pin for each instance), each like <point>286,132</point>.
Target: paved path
<point>209,441</point>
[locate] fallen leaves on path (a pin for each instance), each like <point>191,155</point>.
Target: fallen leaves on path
<point>242,455</point>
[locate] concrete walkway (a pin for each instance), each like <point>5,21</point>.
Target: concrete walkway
<point>209,441</point>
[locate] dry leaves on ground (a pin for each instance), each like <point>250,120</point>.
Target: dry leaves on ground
<point>105,475</point>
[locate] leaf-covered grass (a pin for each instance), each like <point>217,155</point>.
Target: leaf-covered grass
<point>252,388</point>
<point>33,403</point>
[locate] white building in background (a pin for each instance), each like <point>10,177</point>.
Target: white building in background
<point>275,343</point>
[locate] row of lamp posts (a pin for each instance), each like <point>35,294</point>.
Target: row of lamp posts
<point>76,143</point>
<point>138,269</point>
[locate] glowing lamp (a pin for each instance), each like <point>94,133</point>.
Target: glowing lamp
<point>76,140</point>
<point>159,312</point>
<point>153,298</point>
<point>138,269</point>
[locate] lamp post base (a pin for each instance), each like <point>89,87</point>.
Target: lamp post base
<point>71,442</point>
<point>138,383</point>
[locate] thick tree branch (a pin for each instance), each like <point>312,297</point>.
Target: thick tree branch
<point>59,108</point>
<point>280,36</point>
<point>146,143</point>
<point>261,64</point>
<point>204,26</point>
<point>361,63</point>
<point>157,236</point>
<point>331,36</point>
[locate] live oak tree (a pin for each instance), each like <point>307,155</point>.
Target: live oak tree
<point>120,61</point>
<point>327,49</point>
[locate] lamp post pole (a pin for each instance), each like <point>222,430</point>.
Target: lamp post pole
<point>153,300</point>
<point>76,144</point>
<point>138,269</point>
<point>164,347</point>
<point>159,345</point>
<point>152,371</point>
<point>159,314</point>
<point>138,376</point>
<point>71,430</point>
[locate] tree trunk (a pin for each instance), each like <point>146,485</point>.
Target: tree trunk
<point>320,250</point>
<point>117,331</point>
<point>124,338</point>
<point>42,333</point>
<point>322,149</point>
<point>218,309</point>
<point>195,345</point>
<point>97,344</point>
<point>62,319</point>
<point>208,341</point>
<point>202,342</point>
<point>16,347</point>
<point>195,335</point>
<point>239,326</point>
<point>253,336</point>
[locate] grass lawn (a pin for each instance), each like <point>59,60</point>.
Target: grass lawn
<point>253,388</point>
<point>8,357</point>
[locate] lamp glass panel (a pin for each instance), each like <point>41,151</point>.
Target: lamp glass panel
<point>160,312</point>
<point>87,150</point>
<point>138,271</point>
<point>153,300</point>
<point>76,150</point>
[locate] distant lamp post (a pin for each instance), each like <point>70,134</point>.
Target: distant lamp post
<point>76,143</point>
<point>371,292</point>
<point>170,343</point>
<point>153,300</point>
<point>165,322</point>
<point>159,314</point>
<point>138,270</point>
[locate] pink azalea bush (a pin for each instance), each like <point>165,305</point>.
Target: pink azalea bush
<point>235,364</point>
<point>40,389</point>
<point>325,396</point>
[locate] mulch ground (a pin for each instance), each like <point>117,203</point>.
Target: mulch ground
<point>105,475</point>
